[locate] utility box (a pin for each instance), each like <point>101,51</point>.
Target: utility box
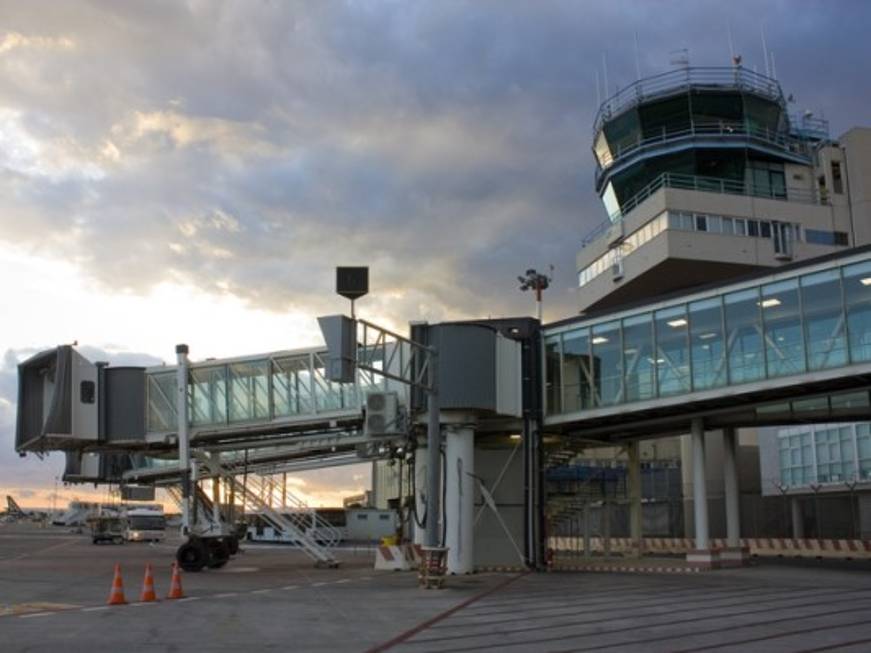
<point>382,414</point>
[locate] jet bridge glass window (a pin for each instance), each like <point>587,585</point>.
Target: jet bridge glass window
<point>744,347</point>
<point>577,371</point>
<point>552,356</point>
<point>824,320</point>
<point>706,338</point>
<point>857,293</point>
<point>249,391</point>
<point>638,358</point>
<point>784,344</point>
<point>672,351</point>
<point>608,364</point>
<point>208,395</point>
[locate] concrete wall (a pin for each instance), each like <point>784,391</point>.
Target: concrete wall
<point>856,150</point>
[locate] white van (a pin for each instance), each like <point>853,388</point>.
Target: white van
<point>145,525</point>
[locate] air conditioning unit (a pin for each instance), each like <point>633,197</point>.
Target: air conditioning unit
<point>382,414</point>
<point>617,270</point>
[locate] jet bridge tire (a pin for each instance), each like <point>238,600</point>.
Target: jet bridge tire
<point>219,553</point>
<point>191,556</point>
<point>233,545</point>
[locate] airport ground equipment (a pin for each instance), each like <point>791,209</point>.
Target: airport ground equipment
<point>107,529</point>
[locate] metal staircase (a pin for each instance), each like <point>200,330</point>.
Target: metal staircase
<point>300,524</point>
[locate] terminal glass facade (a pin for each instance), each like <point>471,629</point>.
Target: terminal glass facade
<point>824,454</point>
<point>796,324</point>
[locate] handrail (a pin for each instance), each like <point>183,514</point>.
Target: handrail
<point>717,77</point>
<point>698,183</point>
<point>720,129</point>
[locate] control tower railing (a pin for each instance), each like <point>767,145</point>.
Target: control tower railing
<point>673,81</point>
<point>722,130</point>
<point>704,184</point>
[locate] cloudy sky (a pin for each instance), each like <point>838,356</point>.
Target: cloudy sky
<point>193,171</point>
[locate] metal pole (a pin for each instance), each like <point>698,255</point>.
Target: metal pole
<point>184,454</point>
<point>433,443</point>
<point>700,490</point>
<point>730,481</point>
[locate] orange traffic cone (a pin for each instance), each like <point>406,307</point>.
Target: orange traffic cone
<point>148,594</point>
<point>175,591</point>
<point>116,597</point>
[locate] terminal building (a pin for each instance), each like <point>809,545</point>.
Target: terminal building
<point>712,385</point>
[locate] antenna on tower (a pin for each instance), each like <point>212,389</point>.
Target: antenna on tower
<point>637,62</point>
<point>731,45</point>
<point>773,67</point>
<point>598,93</point>
<point>765,51</point>
<point>605,71</point>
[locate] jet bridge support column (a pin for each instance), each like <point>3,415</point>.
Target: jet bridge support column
<point>420,486</point>
<point>702,556</point>
<point>734,555</point>
<point>459,508</point>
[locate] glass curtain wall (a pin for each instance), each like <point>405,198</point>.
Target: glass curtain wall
<point>816,321</point>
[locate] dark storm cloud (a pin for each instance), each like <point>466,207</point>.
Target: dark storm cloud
<point>249,147</point>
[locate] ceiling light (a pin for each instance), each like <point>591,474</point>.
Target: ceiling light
<point>866,281</point>
<point>599,340</point>
<point>770,303</point>
<point>707,336</point>
<point>676,324</point>
<point>514,437</point>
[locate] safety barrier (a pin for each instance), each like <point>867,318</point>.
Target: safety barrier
<point>758,546</point>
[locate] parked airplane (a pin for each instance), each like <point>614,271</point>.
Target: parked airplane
<point>14,512</point>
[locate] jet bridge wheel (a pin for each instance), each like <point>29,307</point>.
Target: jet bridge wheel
<point>218,552</point>
<point>192,555</point>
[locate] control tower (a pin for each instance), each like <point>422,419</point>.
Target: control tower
<point>706,176</point>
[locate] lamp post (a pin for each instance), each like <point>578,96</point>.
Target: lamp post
<point>538,282</point>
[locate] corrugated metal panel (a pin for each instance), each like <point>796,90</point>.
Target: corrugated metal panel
<point>509,379</point>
